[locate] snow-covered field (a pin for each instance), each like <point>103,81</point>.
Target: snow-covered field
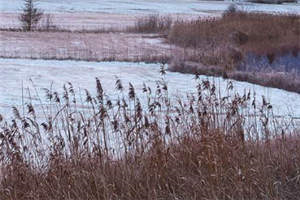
<point>16,74</point>
<point>84,46</point>
<point>143,6</point>
<point>116,14</point>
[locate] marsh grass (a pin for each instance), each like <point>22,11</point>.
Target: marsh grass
<point>152,24</point>
<point>249,32</point>
<point>259,48</point>
<point>148,146</point>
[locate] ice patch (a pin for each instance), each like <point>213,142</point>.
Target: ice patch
<point>16,74</point>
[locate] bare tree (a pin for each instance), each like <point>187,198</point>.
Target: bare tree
<point>30,16</point>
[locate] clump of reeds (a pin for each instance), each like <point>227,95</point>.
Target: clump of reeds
<point>148,146</point>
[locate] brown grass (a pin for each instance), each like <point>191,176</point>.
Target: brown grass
<point>281,80</point>
<point>195,148</point>
<point>232,46</point>
<point>152,24</point>
<point>258,33</point>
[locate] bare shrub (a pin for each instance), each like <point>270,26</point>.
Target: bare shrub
<point>232,8</point>
<point>152,24</point>
<point>47,24</point>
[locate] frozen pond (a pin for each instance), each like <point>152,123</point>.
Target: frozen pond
<point>143,6</point>
<point>35,75</point>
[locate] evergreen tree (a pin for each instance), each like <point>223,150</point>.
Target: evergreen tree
<point>30,16</point>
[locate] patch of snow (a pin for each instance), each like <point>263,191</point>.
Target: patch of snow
<point>144,6</point>
<point>18,75</point>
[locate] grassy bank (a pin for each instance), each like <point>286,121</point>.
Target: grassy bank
<point>258,33</point>
<point>254,47</point>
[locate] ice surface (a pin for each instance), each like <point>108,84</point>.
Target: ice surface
<point>144,6</point>
<point>16,74</point>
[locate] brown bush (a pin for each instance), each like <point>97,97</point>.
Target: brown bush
<point>258,33</point>
<point>231,40</point>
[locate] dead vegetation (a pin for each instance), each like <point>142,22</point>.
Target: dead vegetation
<point>257,33</point>
<point>194,148</point>
<point>243,45</point>
<point>85,46</point>
<point>152,24</point>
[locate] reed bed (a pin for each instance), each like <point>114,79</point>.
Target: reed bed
<point>148,146</point>
<point>255,47</point>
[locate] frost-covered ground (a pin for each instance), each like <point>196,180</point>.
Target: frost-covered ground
<point>142,6</point>
<point>116,14</point>
<point>16,74</point>
<point>83,46</point>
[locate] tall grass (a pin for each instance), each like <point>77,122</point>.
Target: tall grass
<point>258,33</point>
<point>148,146</point>
<point>254,47</point>
<point>152,24</point>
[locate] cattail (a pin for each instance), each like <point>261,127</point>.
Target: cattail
<point>124,103</point>
<point>30,109</point>
<point>158,104</point>
<point>191,108</point>
<point>71,88</point>
<point>25,124</point>
<point>103,113</point>
<point>88,96</point>
<point>149,90</point>
<point>109,104</point>
<point>99,90</point>
<point>126,118</point>
<point>230,85</point>
<point>249,95</point>
<point>144,88</point>
<point>269,106</point>
<point>162,70</point>
<point>146,122</point>
<point>206,84</point>
<point>49,95</point>
<point>115,124</point>
<point>138,109</point>
<point>14,124</point>
<point>56,97</point>
<point>158,90</point>
<point>254,103</point>
<point>16,113</point>
<point>164,86</point>
<point>45,126</point>
<point>151,108</point>
<point>213,89</point>
<point>131,93</point>
<point>119,85</point>
<point>66,94</point>
<point>167,126</point>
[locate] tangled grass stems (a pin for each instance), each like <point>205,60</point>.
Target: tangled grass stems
<point>156,147</point>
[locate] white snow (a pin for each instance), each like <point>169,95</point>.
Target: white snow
<point>16,74</point>
<point>144,6</point>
